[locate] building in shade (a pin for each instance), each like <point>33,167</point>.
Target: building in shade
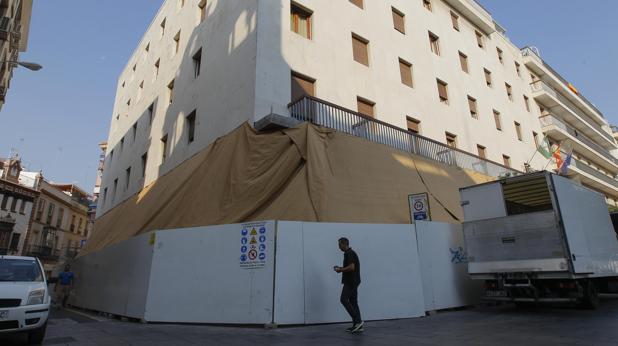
<point>14,29</point>
<point>442,71</point>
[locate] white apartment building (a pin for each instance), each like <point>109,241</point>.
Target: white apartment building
<point>440,68</point>
<point>14,29</point>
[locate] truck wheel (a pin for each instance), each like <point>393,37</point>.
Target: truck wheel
<point>591,296</point>
<point>36,336</point>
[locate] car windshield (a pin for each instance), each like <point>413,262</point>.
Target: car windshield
<point>20,270</point>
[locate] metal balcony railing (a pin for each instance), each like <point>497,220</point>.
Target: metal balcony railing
<point>324,113</point>
<point>548,120</point>
<point>540,86</point>
<point>43,252</point>
<point>587,169</point>
<point>528,51</point>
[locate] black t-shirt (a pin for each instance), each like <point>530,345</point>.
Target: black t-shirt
<point>351,278</point>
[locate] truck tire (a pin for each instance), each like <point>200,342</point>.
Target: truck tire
<point>36,336</point>
<point>591,296</point>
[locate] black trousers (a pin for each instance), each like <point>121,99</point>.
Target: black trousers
<point>349,300</point>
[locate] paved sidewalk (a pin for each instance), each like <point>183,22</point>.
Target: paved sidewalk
<point>504,325</point>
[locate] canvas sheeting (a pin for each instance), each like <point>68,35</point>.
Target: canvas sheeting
<point>306,173</point>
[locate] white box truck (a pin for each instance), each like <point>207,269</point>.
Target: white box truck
<point>540,237</point>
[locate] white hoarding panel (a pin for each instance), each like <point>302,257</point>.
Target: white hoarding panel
<point>591,238</point>
<point>390,271</point>
<point>289,280</point>
<point>483,202</point>
<point>115,279</point>
<point>446,283</point>
<point>199,275</point>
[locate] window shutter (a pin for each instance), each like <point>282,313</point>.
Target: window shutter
<point>398,21</point>
<point>360,52</point>
<point>365,107</point>
<point>405,69</point>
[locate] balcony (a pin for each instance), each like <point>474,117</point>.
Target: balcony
<point>593,178</point>
<point>558,130</point>
<point>559,105</point>
<point>326,114</point>
<point>474,12</point>
<point>43,252</point>
<point>5,28</point>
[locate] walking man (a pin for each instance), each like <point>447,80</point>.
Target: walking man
<point>65,279</point>
<point>350,279</point>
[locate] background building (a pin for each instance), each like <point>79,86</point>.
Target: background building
<point>16,203</point>
<point>443,69</point>
<point>14,30</point>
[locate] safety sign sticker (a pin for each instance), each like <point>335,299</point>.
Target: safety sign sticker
<point>253,247</point>
<point>419,207</point>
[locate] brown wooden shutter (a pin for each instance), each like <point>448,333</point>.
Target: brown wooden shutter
<point>301,86</point>
<point>398,21</point>
<point>472,105</point>
<point>479,39</point>
<point>488,77</point>
<point>463,60</point>
<point>497,120</point>
<point>360,50</point>
<point>455,21</point>
<point>358,3</point>
<point>365,107</point>
<point>413,125</point>
<point>481,150</point>
<point>405,70</point>
<point>442,91</point>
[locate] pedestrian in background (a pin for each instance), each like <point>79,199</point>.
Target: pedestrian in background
<point>350,279</point>
<point>65,280</point>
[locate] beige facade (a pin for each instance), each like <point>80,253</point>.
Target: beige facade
<point>14,29</point>
<point>442,68</point>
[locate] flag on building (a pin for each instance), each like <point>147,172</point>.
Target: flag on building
<point>558,156</point>
<point>544,148</point>
<point>564,168</point>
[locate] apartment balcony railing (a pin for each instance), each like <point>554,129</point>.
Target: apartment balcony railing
<point>587,169</point>
<point>549,120</point>
<point>528,51</point>
<point>324,113</point>
<point>43,252</point>
<point>540,86</point>
<point>5,27</point>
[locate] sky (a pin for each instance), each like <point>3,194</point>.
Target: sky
<point>56,117</point>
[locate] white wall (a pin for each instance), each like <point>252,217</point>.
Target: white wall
<point>446,283</point>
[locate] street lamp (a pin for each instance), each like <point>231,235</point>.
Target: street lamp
<point>29,65</point>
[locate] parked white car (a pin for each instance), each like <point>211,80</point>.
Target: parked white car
<point>24,297</point>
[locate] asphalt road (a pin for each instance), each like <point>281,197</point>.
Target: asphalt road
<point>501,325</point>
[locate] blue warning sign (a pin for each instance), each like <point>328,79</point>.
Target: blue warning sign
<point>253,245</point>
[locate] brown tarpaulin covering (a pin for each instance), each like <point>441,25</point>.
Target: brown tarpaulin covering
<point>306,173</point>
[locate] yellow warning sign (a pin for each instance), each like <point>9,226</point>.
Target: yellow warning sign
<point>253,241</point>
<point>253,232</point>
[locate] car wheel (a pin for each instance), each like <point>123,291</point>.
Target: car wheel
<point>36,336</point>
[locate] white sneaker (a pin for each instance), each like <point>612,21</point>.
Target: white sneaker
<point>358,327</point>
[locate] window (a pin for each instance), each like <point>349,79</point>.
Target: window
<point>14,205</point>
<point>163,27</point>
<point>434,43</point>
<point>488,77</point>
<point>517,69</point>
<point>123,83</point>
<point>72,228</point>
<point>134,129</point>
<point>507,160</point>
<point>463,61</point>
<point>156,65</point>
<point>113,198</point>
<point>111,157</point>
<point>50,213</point>
<point>144,163</point>
<point>104,195</point>
<point>442,91</point>
<point>451,140</point>
<point>414,125</point>
<point>358,3</point>
<point>479,39</point>
<point>197,63</point>
<point>170,91</point>
<point>405,71</point>
<point>59,219</point>
<point>482,151</point>
<point>150,114</point>
<point>121,144</point>
<point>527,103</point>
<point>365,106</point>
<point>500,55</point>
<point>134,67</point>
<point>191,127</point>
<point>39,212</point>
<point>399,20</point>
<point>79,224</point>
<point>14,241</point>
<point>129,102</point>
<point>509,91</point>
<point>163,149</point>
<point>127,175</point>
<point>427,4</point>
<point>147,49</point>
<point>472,107</point>
<point>22,207</point>
<point>140,90</point>
<point>300,21</point>
<point>202,10</point>
<point>360,48</point>
<point>518,131</point>
<point>497,120</point>
<point>301,86</point>
<point>177,42</point>
<point>455,20</point>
